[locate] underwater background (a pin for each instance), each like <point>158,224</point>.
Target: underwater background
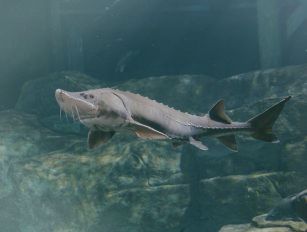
<point>185,53</point>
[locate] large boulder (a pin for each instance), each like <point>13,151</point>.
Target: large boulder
<point>51,182</point>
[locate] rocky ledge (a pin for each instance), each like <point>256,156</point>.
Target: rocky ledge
<point>287,226</point>
<point>51,182</point>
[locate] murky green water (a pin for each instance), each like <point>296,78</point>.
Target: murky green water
<point>184,54</point>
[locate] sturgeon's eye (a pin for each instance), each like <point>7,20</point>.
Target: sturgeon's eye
<point>91,96</point>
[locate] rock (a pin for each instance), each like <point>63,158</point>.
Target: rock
<point>293,207</point>
<point>22,136</point>
<point>249,228</point>
<point>79,189</point>
<point>288,215</point>
<point>236,199</point>
<point>52,182</point>
<point>260,224</point>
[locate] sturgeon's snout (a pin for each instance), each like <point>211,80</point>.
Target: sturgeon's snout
<point>74,104</point>
<point>59,95</point>
<point>63,99</point>
<point>62,96</point>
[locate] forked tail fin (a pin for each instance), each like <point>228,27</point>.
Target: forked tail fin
<point>262,123</point>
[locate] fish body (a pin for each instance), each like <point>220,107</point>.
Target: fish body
<point>107,111</point>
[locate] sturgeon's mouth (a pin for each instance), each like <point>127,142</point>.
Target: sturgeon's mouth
<point>74,106</point>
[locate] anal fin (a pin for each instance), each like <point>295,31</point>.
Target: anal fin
<point>197,144</point>
<point>96,138</point>
<point>229,141</point>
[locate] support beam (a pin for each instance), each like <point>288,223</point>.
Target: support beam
<point>75,51</point>
<point>56,37</point>
<point>297,18</point>
<point>269,33</point>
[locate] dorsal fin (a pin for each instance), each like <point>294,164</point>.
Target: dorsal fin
<point>217,113</point>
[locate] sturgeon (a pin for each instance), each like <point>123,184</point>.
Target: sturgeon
<point>107,111</point>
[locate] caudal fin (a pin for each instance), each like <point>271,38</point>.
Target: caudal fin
<point>262,123</point>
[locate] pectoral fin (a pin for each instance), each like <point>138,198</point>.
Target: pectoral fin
<point>96,138</point>
<point>229,141</point>
<point>198,144</point>
<point>146,132</point>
